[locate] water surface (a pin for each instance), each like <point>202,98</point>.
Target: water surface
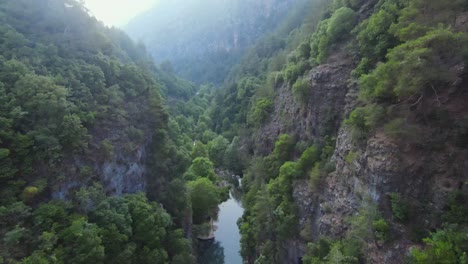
<point>226,245</point>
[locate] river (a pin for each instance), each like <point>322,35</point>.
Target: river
<point>224,249</point>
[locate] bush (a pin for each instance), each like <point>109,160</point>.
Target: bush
<point>363,120</point>
<point>351,157</point>
<point>107,149</point>
<point>458,208</point>
<point>261,110</point>
<point>444,246</point>
<point>201,168</point>
<point>30,192</point>
<point>301,90</point>
<point>283,148</point>
<point>381,229</point>
<point>308,158</point>
<point>419,64</point>
<point>341,23</point>
<point>400,208</point>
<point>294,70</point>
<point>331,31</point>
<point>319,43</point>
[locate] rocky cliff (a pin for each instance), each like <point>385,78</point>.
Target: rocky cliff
<point>419,171</point>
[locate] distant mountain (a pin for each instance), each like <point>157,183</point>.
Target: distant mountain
<point>203,39</point>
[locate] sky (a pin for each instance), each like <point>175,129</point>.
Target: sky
<point>117,12</point>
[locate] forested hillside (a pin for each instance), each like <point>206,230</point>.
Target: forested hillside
<point>202,40</point>
<point>355,125</point>
<point>83,134</point>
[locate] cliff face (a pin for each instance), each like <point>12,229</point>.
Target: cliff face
<point>370,172</point>
<point>323,112</point>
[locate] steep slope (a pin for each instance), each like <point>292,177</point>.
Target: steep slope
<point>356,140</point>
<point>82,130</point>
<point>202,40</point>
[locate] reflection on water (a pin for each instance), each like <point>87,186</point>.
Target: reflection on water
<point>225,248</point>
<point>210,252</point>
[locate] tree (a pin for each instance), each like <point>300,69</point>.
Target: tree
<point>199,150</point>
<point>82,243</point>
<point>416,67</point>
<point>233,157</point>
<point>260,111</point>
<point>447,245</point>
<point>73,134</point>
<point>204,196</point>
<point>201,168</point>
<point>216,149</point>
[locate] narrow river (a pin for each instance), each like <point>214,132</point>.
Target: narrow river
<point>226,245</point>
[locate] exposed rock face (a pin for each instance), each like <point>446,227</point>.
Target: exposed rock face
<point>324,111</point>
<point>423,174</point>
<point>125,173</point>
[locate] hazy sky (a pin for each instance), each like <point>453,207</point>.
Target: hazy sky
<point>117,12</point>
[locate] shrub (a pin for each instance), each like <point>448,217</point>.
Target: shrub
<point>444,246</point>
<point>107,149</point>
<point>261,110</point>
<point>30,192</point>
<point>308,158</point>
<point>341,23</point>
<point>363,120</point>
<point>351,157</point>
<point>301,90</point>
<point>319,43</point>
<point>400,208</point>
<point>283,147</point>
<point>381,229</point>
<point>418,64</point>
<point>458,208</point>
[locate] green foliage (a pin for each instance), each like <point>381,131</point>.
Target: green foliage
<point>320,43</point>
<point>217,149</point>
<point>283,147</point>
<point>351,157</point>
<point>204,197</point>
<point>374,37</point>
<point>317,251</point>
<point>293,70</point>
<point>458,208</point>
<point>331,31</point>
<point>381,229</point>
<point>233,158</point>
<point>199,150</point>
<point>260,111</point>
<point>420,17</point>
<point>308,158</point>
<point>447,245</point>
<point>301,90</point>
<point>341,22</point>
<point>107,148</point>
<point>84,244</point>
<point>363,120</point>
<point>400,207</point>
<point>201,168</point>
<point>415,67</point>
<point>30,192</point>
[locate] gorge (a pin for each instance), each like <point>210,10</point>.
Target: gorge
<point>346,120</point>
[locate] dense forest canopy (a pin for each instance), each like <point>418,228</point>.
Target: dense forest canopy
<point>77,99</point>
